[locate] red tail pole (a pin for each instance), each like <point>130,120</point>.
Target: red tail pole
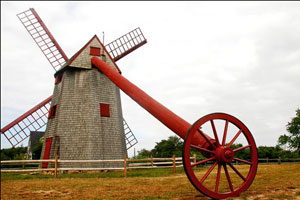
<point>160,112</point>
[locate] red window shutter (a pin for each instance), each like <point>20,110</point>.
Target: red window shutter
<point>58,79</point>
<point>95,51</point>
<point>52,112</point>
<point>47,151</point>
<point>104,110</point>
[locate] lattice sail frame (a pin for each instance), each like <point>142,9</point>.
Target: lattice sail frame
<point>126,44</point>
<point>43,38</point>
<point>129,136</point>
<point>32,120</point>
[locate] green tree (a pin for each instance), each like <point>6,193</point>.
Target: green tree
<point>4,156</point>
<point>168,148</point>
<point>268,152</point>
<point>143,153</point>
<point>292,140</point>
<point>14,153</point>
<point>242,154</point>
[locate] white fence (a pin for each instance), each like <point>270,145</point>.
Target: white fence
<point>128,164</point>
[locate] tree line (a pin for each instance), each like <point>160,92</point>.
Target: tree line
<point>174,145</point>
<point>288,147</point>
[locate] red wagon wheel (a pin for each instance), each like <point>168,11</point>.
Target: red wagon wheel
<point>228,175</point>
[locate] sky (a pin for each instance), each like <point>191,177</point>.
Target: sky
<point>241,58</point>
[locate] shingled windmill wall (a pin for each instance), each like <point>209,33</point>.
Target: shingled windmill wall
<point>78,131</point>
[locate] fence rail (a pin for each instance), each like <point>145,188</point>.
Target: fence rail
<point>128,164</point>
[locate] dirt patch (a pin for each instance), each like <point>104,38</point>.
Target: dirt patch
<point>272,182</point>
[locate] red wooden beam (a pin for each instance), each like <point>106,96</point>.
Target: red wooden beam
<point>178,125</point>
<point>129,51</point>
<point>29,112</point>
<point>49,34</point>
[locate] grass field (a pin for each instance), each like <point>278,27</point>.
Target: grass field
<point>271,182</point>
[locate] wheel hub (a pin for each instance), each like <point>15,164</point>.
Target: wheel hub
<point>224,154</point>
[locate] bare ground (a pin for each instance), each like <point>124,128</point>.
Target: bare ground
<point>271,182</point>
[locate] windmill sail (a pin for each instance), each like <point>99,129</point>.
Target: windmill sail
<point>126,44</point>
<point>129,136</point>
<point>43,38</point>
<point>33,120</point>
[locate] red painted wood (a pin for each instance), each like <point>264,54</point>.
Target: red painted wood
<point>52,112</point>
<point>126,44</point>
<point>160,112</point>
<point>104,110</point>
<point>49,34</point>
<point>43,38</point>
<point>95,51</point>
<point>29,112</point>
<point>47,151</point>
<point>58,78</point>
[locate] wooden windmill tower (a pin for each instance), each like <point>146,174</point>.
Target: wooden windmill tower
<point>84,116</point>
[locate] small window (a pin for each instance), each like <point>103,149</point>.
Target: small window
<point>58,79</point>
<point>95,51</point>
<point>52,112</point>
<point>104,110</point>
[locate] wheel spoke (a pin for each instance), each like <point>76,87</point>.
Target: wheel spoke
<point>225,133</point>
<point>201,149</point>
<point>215,132</point>
<point>203,161</point>
<point>228,177</point>
<point>243,161</point>
<point>241,148</point>
<point>218,178</point>
<point>233,139</point>
<point>208,172</point>
<point>236,171</point>
<point>205,137</point>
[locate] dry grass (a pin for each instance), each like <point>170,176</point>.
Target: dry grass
<point>271,182</point>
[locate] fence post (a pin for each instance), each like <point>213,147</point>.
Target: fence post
<point>267,160</point>
<point>125,165</point>
<point>279,161</point>
<point>151,161</point>
<point>55,166</point>
<point>195,159</point>
<point>174,164</point>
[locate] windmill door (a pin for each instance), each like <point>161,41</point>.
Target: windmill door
<point>47,151</point>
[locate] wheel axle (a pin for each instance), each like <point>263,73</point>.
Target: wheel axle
<point>224,155</point>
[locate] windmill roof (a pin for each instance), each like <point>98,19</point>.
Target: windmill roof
<point>76,61</point>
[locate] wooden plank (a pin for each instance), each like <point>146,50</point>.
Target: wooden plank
<point>125,165</point>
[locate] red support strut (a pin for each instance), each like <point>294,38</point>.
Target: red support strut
<point>160,112</point>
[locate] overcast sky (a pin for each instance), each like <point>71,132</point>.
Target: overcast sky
<point>241,58</point>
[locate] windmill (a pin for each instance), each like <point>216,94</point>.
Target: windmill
<point>60,109</point>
